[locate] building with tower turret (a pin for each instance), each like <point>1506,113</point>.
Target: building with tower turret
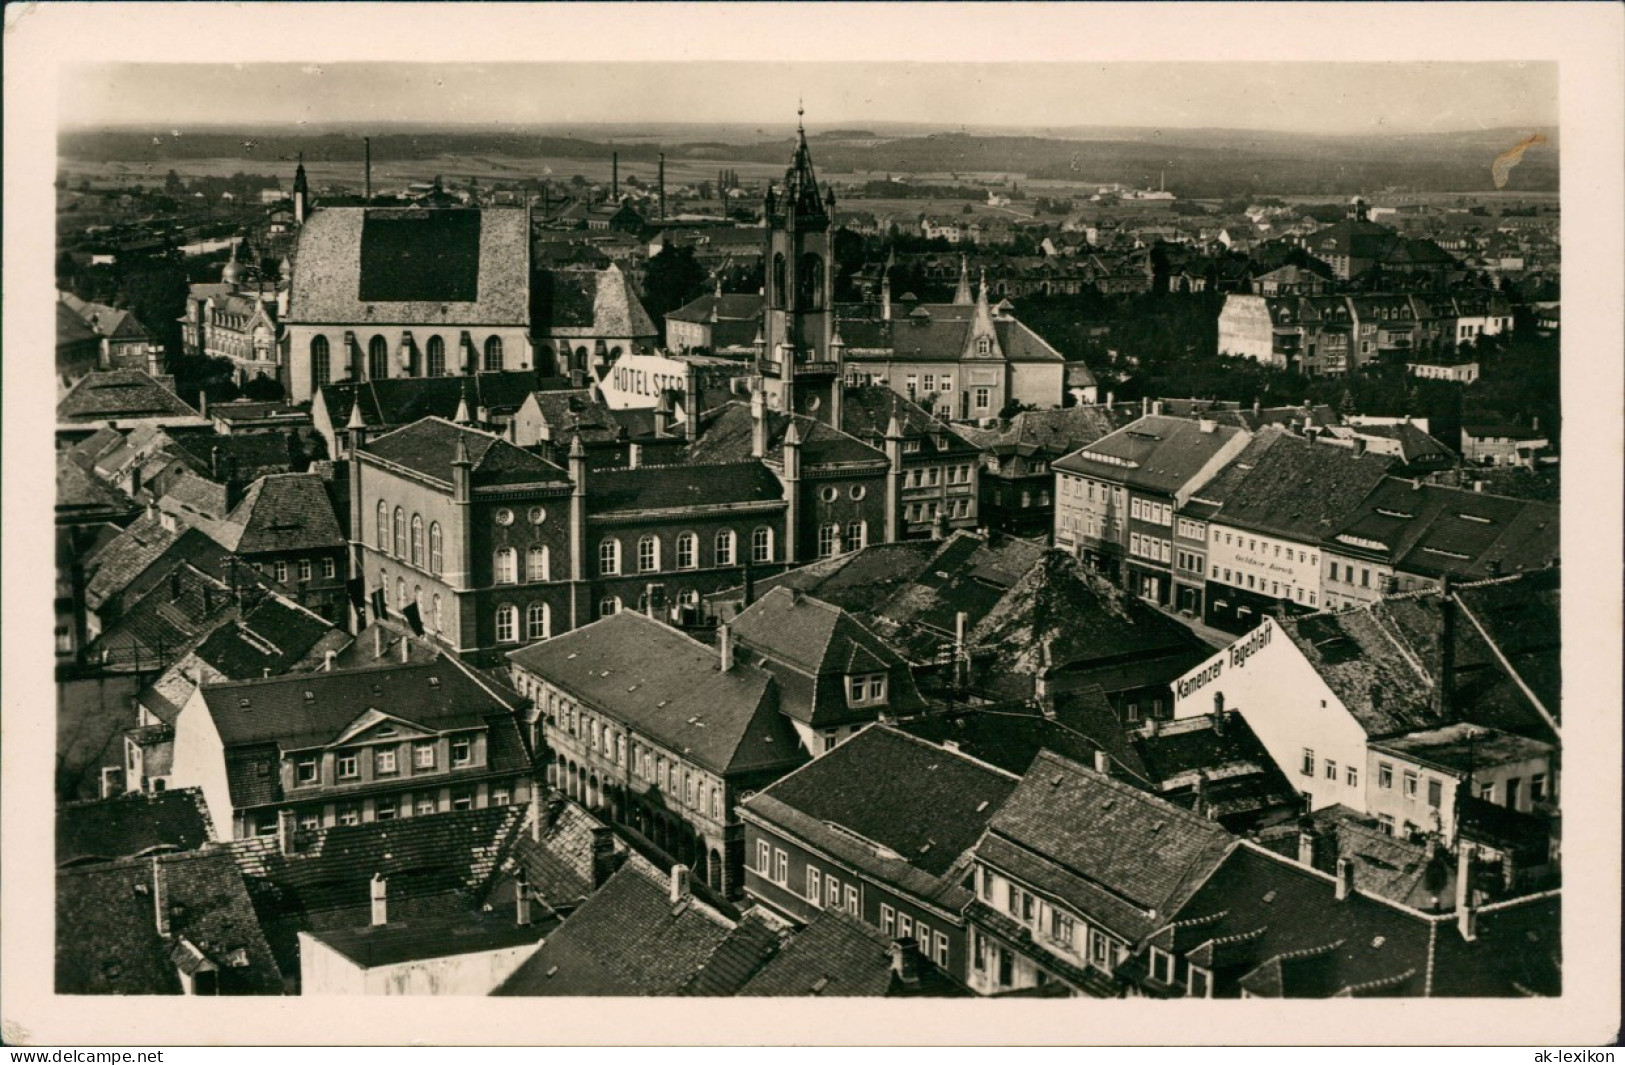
<point>798,351</point>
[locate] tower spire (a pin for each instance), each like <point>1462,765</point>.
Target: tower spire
<point>962,294</point>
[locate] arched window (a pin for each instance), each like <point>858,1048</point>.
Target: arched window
<point>857,535</point>
<point>609,605</point>
<point>687,548</point>
<point>761,544</point>
<point>400,533</point>
<point>400,594</point>
<point>829,538</point>
<point>536,622</point>
<point>321,361</point>
<point>437,357</point>
<point>383,587</point>
<point>648,554</point>
<point>506,565</point>
<point>507,624</point>
<point>537,563</point>
<point>493,353</point>
<point>417,539</point>
<point>439,624</point>
<point>382,539</point>
<point>609,557</point>
<point>725,548</point>
<point>810,282</point>
<point>716,802</point>
<point>778,280</point>
<point>434,547</point>
<point>377,358</point>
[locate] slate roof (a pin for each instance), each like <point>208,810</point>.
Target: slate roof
<point>1010,736</point>
<point>838,956</point>
<point>627,939</point>
<point>577,411</point>
<point>1228,770</point>
<point>126,826</point>
<point>1113,852</point>
<point>437,695</point>
<point>1411,874</point>
<point>810,647</point>
<point>1460,747</point>
<point>1045,432</point>
<point>557,858</point>
<point>1302,490</point>
<point>78,489</point>
<point>867,410</point>
<point>1414,445</point>
<point>1083,620</point>
<point>102,320</point>
<point>667,685</point>
<point>428,446</point>
<point>1382,682</point>
<point>397,401</point>
<point>1474,534</point>
<point>70,328</point>
<point>1157,453</point>
<point>904,810</point>
<point>108,941</point>
<point>176,611</point>
<point>614,309</point>
<point>242,456</point>
<point>130,554</point>
<point>720,307</point>
<point>113,394</point>
<point>413,266</point>
<point>1360,945</point>
<point>726,437</point>
<point>692,487</point>
<point>274,633</point>
<point>938,332</point>
<point>439,936</point>
<point>433,866</point>
<point>757,938</point>
<point>280,513</point>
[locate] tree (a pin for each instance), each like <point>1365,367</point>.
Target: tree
<point>671,279</point>
<point>263,388</point>
<point>173,186</point>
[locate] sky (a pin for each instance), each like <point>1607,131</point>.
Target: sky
<point>1317,97</point>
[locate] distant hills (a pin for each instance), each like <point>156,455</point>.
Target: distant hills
<point>1196,162</point>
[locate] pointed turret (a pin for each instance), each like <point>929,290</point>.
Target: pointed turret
<point>962,294</point>
<point>356,420</point>
<point>462,472</point>
<point>463,415</point>
<point>983,339</point>
<point>301,192</point>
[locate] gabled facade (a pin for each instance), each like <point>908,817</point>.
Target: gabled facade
<point>300,753</point>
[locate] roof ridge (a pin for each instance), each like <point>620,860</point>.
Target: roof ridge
<point>888,727</point>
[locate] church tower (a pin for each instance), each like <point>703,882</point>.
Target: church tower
<point>799,365</point>
<point>301,193</point>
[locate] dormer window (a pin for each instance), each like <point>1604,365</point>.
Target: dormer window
<point>305,771</point>
<point>347,765</point>
<point>462,752</point>
<point>984,345</point>
<point>865,689</point>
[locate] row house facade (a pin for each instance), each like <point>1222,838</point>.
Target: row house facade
<point>1116,499</point>
<point>1073,872</point>
<point>849,833</point>
<point>300,753</point>
<point>660,734</point>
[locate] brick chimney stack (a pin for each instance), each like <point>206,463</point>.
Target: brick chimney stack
<point>1345,878</point>
<point>905,961</point>
<point>521,905</point>
<point>681,888</point>
<point>380,900</point>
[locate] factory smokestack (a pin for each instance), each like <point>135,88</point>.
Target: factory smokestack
<point>662,180</point>
<point>615,177</point>
<point>367,182</point>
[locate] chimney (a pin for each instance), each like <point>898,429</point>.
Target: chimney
<point>380,900</point>
<point>1466,910</point>
<point>367,186</point>
<point>1359,446</point>
<point>535,813</point>
<point>406,650</point>
<point>681,890</point>
<point>1218,714</point>
<point>160,895</point>
<point>1156,407</point>
<point>521,899</point>
<point>661,184</point>
<point>285,827</point>
<point>663,416</point>
<point>1306,844</point>
<point>1103,763</point>
<point>1447,649</point>
<point>758,419</point>
<point>1534,425</point>
<point>725,647</point>
<point>603,854</point>
<point>905,961</point>
<point>1145,406</point>
<point>1153,725</point>
<point>208,600</point>
<point>1206,425</point>
<point>329,656</point>
<point>634,456</point>
<point>1345,878</point>
<point>750,584</point>
<point>615,177</point>
<point>691,402</point>
<point>1111,399</point>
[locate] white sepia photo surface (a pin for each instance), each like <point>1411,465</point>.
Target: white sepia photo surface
<point>1009,524</point>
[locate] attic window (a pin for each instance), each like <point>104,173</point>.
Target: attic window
<point>237,957</point>
<point>242,701</point>
<point>1378,941</point>
<point>434,682</point>
<point>819,984</point>
<point>1269,896</point>
<point>310,696</point>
